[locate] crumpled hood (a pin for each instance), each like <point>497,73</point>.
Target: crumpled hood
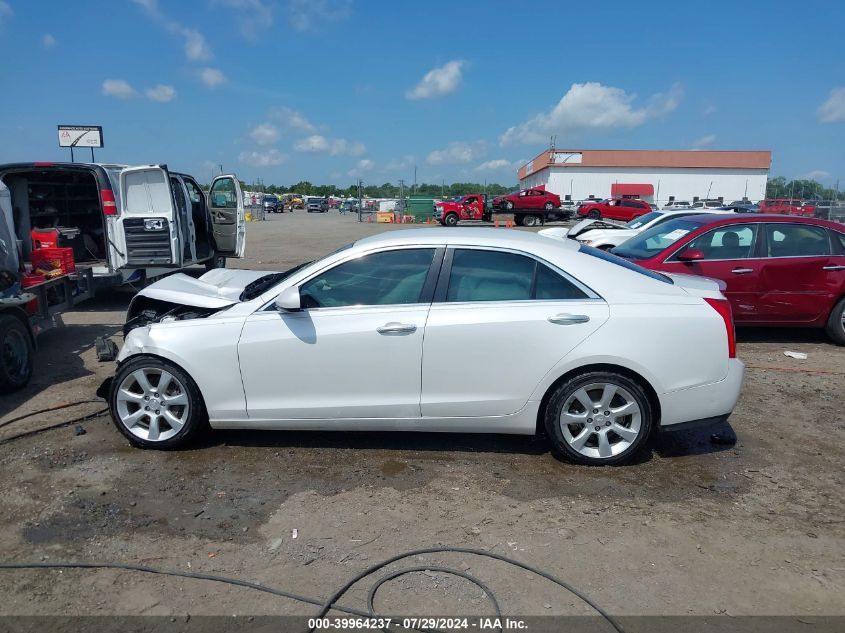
<point>217,288</point>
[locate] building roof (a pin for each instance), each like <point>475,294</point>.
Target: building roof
<point>657,158</point>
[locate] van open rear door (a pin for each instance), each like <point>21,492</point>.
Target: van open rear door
<point>148,231</point>
<point>226,205</point>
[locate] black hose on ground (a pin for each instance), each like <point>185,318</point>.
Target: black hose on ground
<point>58,407</point>
<point>331,603</point>
<point>58,425</point>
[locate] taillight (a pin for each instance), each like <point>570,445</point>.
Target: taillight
<point>724,309</point>
<point>109,205</point>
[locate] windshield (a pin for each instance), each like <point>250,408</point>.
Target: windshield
<point>643,220</point>
<point>656,239</point>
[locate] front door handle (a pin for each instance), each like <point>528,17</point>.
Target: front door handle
<point>396,328</point>
<point>742,271</point>
<point>568,319</point>
<point>834,267</point>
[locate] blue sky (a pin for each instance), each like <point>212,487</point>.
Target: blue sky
<point>329,90</point>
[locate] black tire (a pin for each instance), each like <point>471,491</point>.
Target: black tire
<point>197,418</point>
<point>554,409</point>
<point>218,261</point>
<point>16,354</point>
<point>530,220</point>
<point>487,217</point>
<point>836,323</point>
<point>509,205</point>
<point>595,214</point>
<point>450,219</point>
<point>518,219</point>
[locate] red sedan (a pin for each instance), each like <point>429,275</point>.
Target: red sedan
<point>534,198</point>
<point>777,270</point>
<point>622,209</point>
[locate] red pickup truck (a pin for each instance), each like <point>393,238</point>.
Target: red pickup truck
<point>787,206</point>
<point>473,206</point>
<point>622,209</point>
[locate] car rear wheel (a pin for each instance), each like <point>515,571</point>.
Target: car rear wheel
<point>155,404</point>
<point>450,220</point>
<point>599,418</point>
<point>530,220</point>
<point>16,354</point>
<point>836,323</point>
<point>548,206</point>
<point>595,214</point>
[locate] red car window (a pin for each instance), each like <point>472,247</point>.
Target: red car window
<point>796,240</point>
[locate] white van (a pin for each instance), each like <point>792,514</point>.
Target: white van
<point>126,223</point>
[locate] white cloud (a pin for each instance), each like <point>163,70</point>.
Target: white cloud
<point>264,134</point>
<point>592,106</point>
<point>497,164</point>
<point>118,88</point>
<point>363,165</point>
<point>292,119</point>
<point>195,45</point>
<point>48,41</point>
<point>816,174</point>
<point>455,152</point>
<point>704,141</point>
<point>710,110</point>
<point>161,93</point>
<point>833,110</point>
<point>254,16</point>
<point>269,158</point>
<point>438,82</point>
<point>305,15</point>
<point>400,164</point>
<point>212,77</point>
<point>5,11</point>
<point>319,144</point>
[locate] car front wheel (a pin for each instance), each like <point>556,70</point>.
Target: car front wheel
<point>155,404</point>
<point>836,323</point>
<point>594,214</point>
<point>597,419</point>
<point>508,205</point>
<point>450,220</point>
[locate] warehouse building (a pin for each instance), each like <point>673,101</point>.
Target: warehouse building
<point>658,176</point>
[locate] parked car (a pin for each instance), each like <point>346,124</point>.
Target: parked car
<point>678,204</point>
<point>605,234</point>
<point>350,206</point>
<point>777,270</point>
<point>271,204</point>
<point>473,331</point>
<point>317,205</point>
<point>707,204</point>
<point>787,206</point>
<point>474,206</point>
<point>624,209</point>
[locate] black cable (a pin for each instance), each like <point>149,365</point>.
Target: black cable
<point>48,410</point>
<point>58,425</point>
<point>331,603</point>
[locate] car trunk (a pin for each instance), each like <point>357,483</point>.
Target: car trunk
<point>62,199</point>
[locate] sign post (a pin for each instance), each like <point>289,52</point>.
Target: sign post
<point>80,136</point>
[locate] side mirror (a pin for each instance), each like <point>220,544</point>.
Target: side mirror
<point>288,300</point>
<point>691,255</point>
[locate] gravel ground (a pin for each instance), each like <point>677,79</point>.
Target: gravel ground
<point>696,527</point>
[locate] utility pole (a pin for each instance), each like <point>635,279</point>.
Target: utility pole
<point>360,202</point>
<point>402,196</point>
<point>220,165</point>
<point>415,179</point>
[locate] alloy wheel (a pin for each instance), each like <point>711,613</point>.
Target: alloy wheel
<point>600,420</point>
<point>152,404</point>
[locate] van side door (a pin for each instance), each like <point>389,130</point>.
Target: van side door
<point>228,220</point>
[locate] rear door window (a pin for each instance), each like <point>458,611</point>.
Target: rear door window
<point>796,240</point>
<point>486,275</point>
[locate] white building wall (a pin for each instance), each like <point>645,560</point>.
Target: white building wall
<point>684,184</point>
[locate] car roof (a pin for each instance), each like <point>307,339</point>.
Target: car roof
<point>745,218</point>
<point>465,236</point>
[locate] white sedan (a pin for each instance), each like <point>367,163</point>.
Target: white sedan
<point>471,330</point>
<point>605,234</point>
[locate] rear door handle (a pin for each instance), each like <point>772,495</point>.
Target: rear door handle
<point>396,328</point>
<point>568,319</point>
<point>742,271</point>
<point>834,267</point>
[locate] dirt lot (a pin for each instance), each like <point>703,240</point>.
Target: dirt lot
<point>696,527</point>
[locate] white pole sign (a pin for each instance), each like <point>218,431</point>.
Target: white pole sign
<point>80,136</point>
